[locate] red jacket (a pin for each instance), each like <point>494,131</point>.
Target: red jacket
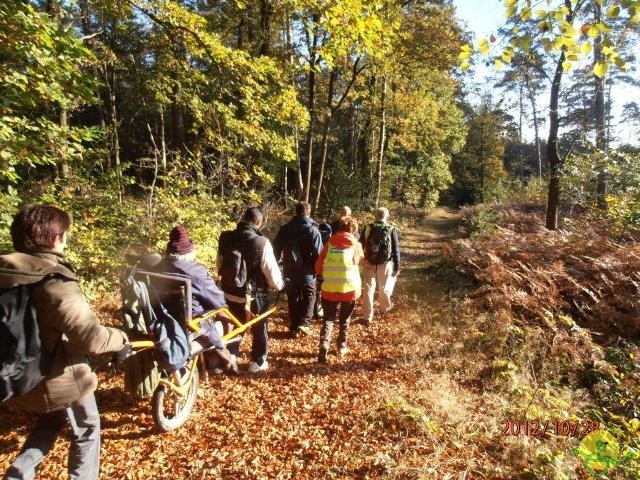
<point>341,240</point>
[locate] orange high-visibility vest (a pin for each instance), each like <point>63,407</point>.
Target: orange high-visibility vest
<point>339,272</point>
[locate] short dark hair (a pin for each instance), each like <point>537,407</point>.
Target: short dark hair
<point>348,224</point>
<point>303,208</point>
<point>36,227</point>
<point>253,215</point>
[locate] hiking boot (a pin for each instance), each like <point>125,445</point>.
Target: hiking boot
<point>255,368</point>
<point>322,356</point>
<point>305,330</point>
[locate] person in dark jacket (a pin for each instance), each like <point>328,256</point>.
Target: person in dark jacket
<point>69,331</point>
<point>299,243</point>
<point>205,294</point>
<point>262,273</point>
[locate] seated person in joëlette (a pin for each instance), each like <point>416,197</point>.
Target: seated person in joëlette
<point>205,294</point>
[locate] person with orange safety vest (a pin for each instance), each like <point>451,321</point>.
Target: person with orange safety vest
<point>341,285</point>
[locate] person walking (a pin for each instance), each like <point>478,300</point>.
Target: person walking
<point>69,331</point>
<point>343,212</point>
<point>381,263</point>
<point>299,243</point>
<point>247,268</point>
<point>341,285</point>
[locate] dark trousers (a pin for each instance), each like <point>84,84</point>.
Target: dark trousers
<point>84,451</point>
<point>330,310</point>
<point>259,347</point>
<point>301,297</point>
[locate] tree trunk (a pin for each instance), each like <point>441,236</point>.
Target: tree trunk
<point>177,122</point>
<point>325,138</point>
<point>311,106</point>
<point>114,120</point>
<point>553,200</point>
<point>600,122</point>
<point>91,44</point>
<point>266,9</point>
<point>163,143</point>
<point>382,140</point>
<point>55,10</point>
<point>63,165</point>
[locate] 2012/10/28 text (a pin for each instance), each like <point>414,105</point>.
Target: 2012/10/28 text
<point>537,428</point>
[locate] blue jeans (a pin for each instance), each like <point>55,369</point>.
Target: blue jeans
<point>84,451</point>
<point>259,347</point>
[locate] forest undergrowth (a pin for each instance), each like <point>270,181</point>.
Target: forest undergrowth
<point>487,329</point>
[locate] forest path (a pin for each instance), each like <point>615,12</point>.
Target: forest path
<point>345,419</point>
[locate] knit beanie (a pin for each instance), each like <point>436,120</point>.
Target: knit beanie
<point>179,242</point>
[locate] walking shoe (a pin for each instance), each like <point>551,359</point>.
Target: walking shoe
<point>322,356</point>
<point>343,351</point>
<point>304,329</point>
<point>232,369</point>
<point>255,368</point>
<point>366,321</point>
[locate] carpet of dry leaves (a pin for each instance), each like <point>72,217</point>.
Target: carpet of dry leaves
<point>423,393</point>
<point>299,420</point>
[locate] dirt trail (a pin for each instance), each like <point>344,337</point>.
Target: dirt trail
<point>300,420</point>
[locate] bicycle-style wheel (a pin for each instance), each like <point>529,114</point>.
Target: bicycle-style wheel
<point>171,410</point>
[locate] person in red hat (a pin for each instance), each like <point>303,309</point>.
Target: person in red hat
<point>205,294</point>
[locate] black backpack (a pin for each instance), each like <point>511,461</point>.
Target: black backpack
<point>292,258</point>
<point>378,245</point>
<point>233,268</point>
<point>21,359</point>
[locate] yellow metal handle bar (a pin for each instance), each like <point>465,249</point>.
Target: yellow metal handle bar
<point>195,323</point>
<point>142,344</point>
<point>249,324</point>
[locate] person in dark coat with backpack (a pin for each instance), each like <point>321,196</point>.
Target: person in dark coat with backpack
<point>299,244</point>
<point>381,263</point>
<point>205,294</point>
<point>68,332</point>
<point>247,269</point>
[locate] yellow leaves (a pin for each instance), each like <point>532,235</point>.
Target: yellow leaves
<point>593,31</point>
<point>586,48</point>
<point>483,46</point>
<point>600,69</point>
<point>465,54</point>
<point>525,43</point>
<point>613,11</point>
<point>498,63</point>
<point>566,66</point>
<point>525,14</point>
<point>620,63</point>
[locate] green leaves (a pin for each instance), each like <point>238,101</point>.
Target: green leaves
<point>44,70</point>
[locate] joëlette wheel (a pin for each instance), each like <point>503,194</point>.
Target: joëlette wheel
<point>170,410</point>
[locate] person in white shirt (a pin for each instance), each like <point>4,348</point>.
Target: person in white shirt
<point>246,253</point>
